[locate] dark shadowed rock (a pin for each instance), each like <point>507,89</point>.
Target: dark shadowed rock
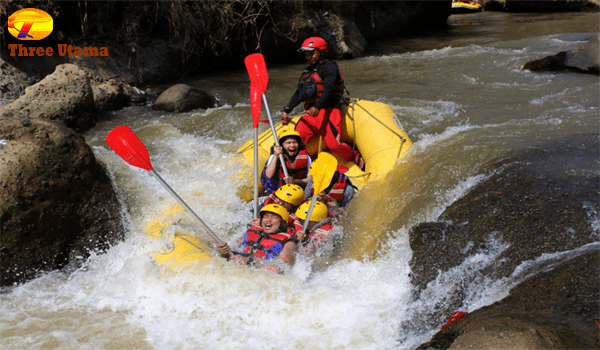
<point>64,95</point>
<point>585,59</point>
<point>109,96</point>
<point>534,204</point>
<point>556,309</point>
<point>182,98</point>
<point>524,205</point>
<point>540,6</point>
<point>58,203</point>
<point>13,82</point>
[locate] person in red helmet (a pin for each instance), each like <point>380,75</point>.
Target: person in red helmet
<point>321,87</point>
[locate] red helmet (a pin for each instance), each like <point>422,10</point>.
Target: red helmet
<point>312,43</point>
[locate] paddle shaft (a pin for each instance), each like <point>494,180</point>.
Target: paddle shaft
<point>285,172</point>
<point>309,213</point>
<point>255,172</point>
<point>176,196</point>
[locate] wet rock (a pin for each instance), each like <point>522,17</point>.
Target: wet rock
<point>536,203</point>
<point>57,201</point>
<point>556,309</point>
<point>585,59</point>
<point>152,93</point>
<point>182,98</point>
<point>109,96</point>
<point>64,95</point>
<point>135,95</point>
<point>531,209</point>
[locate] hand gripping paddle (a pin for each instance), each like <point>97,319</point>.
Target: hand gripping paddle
<point>321,171</point>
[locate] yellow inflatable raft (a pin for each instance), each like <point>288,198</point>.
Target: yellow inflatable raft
<point>182,249</point>
<point>459,7</point>
<point>371,126</point>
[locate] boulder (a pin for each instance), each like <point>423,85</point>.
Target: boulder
<point>64,95</point>
<point>585,59</point>
<point>109,96</point>
<point>556,309</point>
<point>13,82</point>
<point>532,206</point>
<point>182,98</point>
<point>58,203</point>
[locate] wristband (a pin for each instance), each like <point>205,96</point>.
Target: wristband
<point>287,110</point>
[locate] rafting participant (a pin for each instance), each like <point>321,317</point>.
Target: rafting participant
<point>288,196</point>
<point>297,162</point>
<point>271,240</point>
<point>317,230</point>
<point>337,194</point>
<point>321,87</point>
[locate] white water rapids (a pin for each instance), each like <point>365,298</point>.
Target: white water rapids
<point>462,106</point>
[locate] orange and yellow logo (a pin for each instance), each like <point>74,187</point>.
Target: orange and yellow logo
<point>30,24</point>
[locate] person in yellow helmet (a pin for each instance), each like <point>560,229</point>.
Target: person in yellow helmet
<point>297,162</point>
<point>288,196</point>
<point>317,231</point>
<point>272,240</point>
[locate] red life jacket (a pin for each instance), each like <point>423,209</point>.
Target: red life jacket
<point>270,199</point>
<point>264,246</point>
<point>337,191</point>
<point>321,233</point>
<point>296,170</point>
<point>315,239</point>
<point>311,85</point>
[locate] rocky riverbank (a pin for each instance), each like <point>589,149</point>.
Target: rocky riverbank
<point>519,215</point>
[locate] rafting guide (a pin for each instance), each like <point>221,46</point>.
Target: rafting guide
<point>321,87</point>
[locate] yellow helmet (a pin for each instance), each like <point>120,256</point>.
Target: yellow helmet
<point>276,209</point>
<point>289,132</point>
<point>290,193</point>
<point>319,212</point>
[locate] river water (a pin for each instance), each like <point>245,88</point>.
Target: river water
<point>463,99</point>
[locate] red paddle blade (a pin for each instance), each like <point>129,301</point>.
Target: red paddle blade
<point>257,70</point>
<point>255,104</point>
<point>127,145</point>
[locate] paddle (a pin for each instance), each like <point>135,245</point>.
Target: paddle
<point>257,71</point>
<point>127,145</point>
<point>321,171</point>
<point>255,110</point>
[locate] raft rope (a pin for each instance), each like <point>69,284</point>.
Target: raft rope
<point>402,139</point>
